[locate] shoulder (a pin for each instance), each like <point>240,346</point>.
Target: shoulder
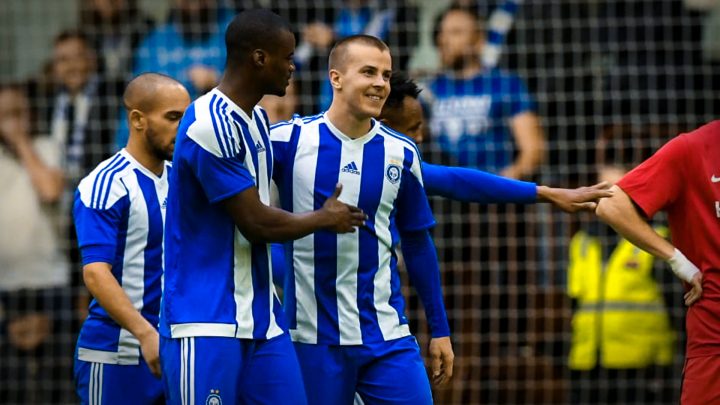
<point>397,138</point>
<point>208,124</point>
<point>708,133</point>
<point>105,185</point>
<point>283,130</point>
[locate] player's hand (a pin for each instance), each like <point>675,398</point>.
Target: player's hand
<point>441,360</point>
<point>150,348</point>
<point>342,218</point>
<point>577,199</point>
<point>695,291</point>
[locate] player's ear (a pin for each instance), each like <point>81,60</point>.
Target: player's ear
<point>259,57</point>
<point>335,79</point>
<point>137,120</point>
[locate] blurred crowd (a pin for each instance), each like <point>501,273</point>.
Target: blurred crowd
<point>565,93</point>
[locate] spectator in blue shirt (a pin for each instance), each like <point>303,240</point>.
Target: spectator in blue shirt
<point>483,117</point>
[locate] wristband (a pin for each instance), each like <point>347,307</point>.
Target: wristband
<point>682,267</point>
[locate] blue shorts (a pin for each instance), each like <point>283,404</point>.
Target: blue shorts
<point>106,384</point>
<point>389,372</point>
<point>207,370</point>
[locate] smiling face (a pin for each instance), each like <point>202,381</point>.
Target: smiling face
<point>362,81</point>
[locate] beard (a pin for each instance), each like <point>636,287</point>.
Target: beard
<point>156,148</point>
<point>459,62</point>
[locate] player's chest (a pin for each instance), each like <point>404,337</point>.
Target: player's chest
<point>369,172</point>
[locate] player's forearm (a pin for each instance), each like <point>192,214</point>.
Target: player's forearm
<point>470,185</point>
<point>422,267</point>
<point>270,224</point>
<point>260,223</point>
<point>105,288</point>
<point>619,212</point>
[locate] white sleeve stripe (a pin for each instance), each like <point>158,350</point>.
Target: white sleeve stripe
<point>229,133</point>
<point>105,190</point>
<point>214,110</point>
<point>101,174</point>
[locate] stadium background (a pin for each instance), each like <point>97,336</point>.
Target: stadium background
<point>648,68</point>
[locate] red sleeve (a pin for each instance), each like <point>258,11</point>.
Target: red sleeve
<point>656,182</point>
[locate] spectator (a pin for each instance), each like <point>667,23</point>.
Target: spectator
<point>189,47</point>
<point>85,106</point>
<point>34,339</point>
<point>84,113</point>
<point>115,29</point>
<point>482,117</point>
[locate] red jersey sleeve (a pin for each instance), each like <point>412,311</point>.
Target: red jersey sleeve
<point>656,182</point>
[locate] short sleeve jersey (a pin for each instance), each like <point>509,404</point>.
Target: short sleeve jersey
<point>217,283</point>
<point>119,214</point>
<point>683,179</point>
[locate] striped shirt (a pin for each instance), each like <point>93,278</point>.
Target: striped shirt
<point>345,289</point>
<point>217,283</point>
<point>119,215</point>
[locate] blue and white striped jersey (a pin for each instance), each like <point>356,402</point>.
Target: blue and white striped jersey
<point>217,283</point>
<point>119,215</point>
<point>345,289</point>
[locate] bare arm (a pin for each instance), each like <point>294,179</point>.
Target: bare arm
<point>530,140</point>
<point>619,212</point>
<point>105,288</point>
<point>260,223</point>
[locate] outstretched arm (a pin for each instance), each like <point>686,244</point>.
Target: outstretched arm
<point>471,185</point>
<point>619,212</point>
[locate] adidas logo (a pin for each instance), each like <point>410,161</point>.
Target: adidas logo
<point>351,168</point>
<point>259,147</point>
<point>164,204</point>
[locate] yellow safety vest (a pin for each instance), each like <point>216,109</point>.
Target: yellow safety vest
<point>621,314</point>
